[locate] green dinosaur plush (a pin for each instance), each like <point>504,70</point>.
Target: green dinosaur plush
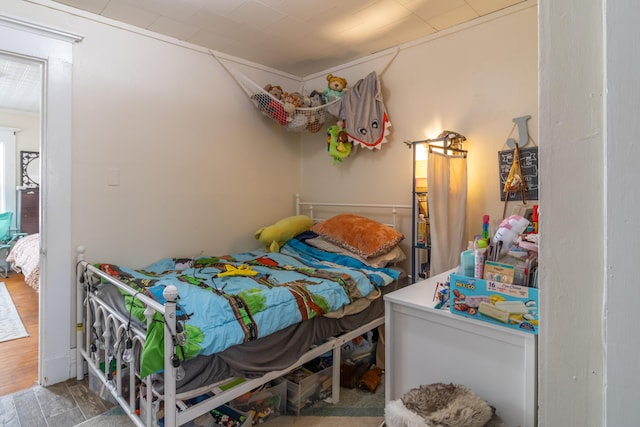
<point>276,235</point>
<point>338,144</point>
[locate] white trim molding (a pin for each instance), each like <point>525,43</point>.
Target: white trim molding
<point>38,29</point>
<point>54,50</point>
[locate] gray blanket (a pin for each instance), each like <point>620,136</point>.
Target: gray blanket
<point>255,358</point>
<point>363,111</point>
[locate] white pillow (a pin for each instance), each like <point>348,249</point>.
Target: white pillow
<point>394,256</point>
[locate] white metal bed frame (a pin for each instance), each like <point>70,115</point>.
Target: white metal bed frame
<point>114,328</point>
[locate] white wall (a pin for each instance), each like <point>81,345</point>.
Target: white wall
<point>621,206</point>
<point>474,80</point>
<point>199,169</point>
<point>28,139</point>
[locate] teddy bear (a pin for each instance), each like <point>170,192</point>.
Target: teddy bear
<point>335,88</point>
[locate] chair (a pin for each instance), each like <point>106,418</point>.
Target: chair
<point>8,237</point>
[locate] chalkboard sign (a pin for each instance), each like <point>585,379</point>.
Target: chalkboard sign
<point>529,165</point>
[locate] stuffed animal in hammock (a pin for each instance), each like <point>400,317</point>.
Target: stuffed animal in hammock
<point>269,103</point>
<point>316,116</point>
<point>264,98</point>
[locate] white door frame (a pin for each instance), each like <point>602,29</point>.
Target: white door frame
<point>52,48</point>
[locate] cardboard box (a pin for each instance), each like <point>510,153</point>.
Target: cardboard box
<point>503,304</point>
<point>305,387</point>
<point>523,269</point>
<point>498,272</point>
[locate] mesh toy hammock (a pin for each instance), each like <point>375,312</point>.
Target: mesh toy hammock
<point>284,112</point>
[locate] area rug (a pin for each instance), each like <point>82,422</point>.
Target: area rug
<point>353,403</point>
<point>11,326</point>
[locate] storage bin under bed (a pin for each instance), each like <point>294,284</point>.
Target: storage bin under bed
<point>305,387</point>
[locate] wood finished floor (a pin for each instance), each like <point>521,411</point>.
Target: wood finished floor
<point>23,403</point>
<point>19,361</point>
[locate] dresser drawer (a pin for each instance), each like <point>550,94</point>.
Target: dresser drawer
<point>29,211</point>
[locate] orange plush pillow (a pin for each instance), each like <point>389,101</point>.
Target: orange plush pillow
<point>363,236</point>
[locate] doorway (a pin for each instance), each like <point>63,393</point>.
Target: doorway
<point>21,82</point>
<point>52,48</point>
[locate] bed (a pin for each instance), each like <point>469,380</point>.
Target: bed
<point>185,327</point>
<point>24,258</point>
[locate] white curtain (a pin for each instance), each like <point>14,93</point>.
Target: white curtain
<point>447,202</point>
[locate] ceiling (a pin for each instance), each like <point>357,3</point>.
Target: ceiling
<point>20,84</point>
<point>299,37</point>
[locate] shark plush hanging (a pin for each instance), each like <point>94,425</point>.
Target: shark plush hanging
<point>363,112</point>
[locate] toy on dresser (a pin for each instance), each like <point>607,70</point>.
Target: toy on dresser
<point>503,289</point>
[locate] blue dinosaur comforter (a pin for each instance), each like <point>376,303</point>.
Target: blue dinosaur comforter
<point>232,299</point>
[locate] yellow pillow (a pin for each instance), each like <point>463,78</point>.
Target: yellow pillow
<point>363,236</point>
<point>276,235</point>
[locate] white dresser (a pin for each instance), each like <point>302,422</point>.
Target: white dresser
<point>424,345</point>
